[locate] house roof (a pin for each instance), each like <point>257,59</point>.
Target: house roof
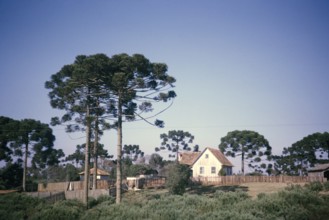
<point>319,167</point>
<point>220,156</point>
<point>188,158</point>
<point>99,172</point>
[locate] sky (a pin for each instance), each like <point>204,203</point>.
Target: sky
<point>239,65</point>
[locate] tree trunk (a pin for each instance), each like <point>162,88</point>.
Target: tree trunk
<point>119,152</point>
<point>242,163</point>
<point>25,166</point>
<point>95,155</point>
<point>86,179</point>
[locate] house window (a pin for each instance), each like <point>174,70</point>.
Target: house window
<point>201,170</point>
<point>213,170</point>
<point>207,156</point>
<point>227,170</point>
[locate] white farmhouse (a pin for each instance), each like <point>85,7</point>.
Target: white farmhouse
<point>208,163</point>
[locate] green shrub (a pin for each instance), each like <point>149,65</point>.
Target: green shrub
<point>326,186</point>
<point>178,178</point>
<point>66,209</point>
<point>302,203</point>
<point>314,186</point>
<point>230,198</point>
<point>103,198</point>
<point>293,187</point>
<point>293,203</point>
<point>19,206</point>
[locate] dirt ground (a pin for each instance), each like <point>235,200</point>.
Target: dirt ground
<point>253,189</point>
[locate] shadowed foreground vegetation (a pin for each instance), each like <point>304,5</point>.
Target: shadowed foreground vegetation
<point>295,202</point>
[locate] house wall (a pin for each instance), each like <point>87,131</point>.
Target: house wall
<point>207,164</point>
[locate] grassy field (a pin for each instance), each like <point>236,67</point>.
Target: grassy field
<point>198,203</point>
<point>252,189</point>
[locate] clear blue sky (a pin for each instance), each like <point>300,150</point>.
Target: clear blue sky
<point>256,65</point>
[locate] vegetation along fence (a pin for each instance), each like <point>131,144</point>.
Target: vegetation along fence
<point>236,180</point>
<point>50,197</point>
<point>69,186</point>
<point>158,182</point>
<point>101,184</point>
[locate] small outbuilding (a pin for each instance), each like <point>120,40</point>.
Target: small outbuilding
<point>320,170</point>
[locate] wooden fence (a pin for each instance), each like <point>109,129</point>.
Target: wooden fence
<point>154,182</point>
<point>237,180</point>
<point>101,184</point>
<point>69,186</point>
<point>160,181</point>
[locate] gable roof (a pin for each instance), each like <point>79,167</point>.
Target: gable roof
<point>188,158</point>
<point>99,172</point>
<point>219,156</point>
<point>319,167</point>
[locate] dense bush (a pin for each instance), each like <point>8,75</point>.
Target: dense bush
<point>11,176</point>
<point>326,186</point>
<point>103,198</point>
<point>66,209</point>
<point>314,186</point>
<point>19,206</point>
<point>178,178</point>
<point>295,202</point>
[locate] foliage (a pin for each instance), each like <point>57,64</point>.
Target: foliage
<point>297,203</point>
<point>294,203</point>
<point>28,138</point>
<point>19,206</point>
<point>251,146</point>
<point>156,162</point>
<point>314,186</point>
<point>326,186</point>
<point>305,153</point>
<point>132,151</point>
<point>36,136</point>
<point>129,169</point>
<point>66,210</point>
<point>60,173</point>
<point>136,83</point>
<point>78,156</point>
<point>8,128</point>
<point>178,178</point>
<point>78,89</point>
<point>120,87</point>
<point>175,141</point>
<point>11,175</point>
<point>139,169</point>
<point>101,199</point>
<point>20,137</point>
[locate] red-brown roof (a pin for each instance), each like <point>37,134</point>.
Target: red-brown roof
<point>99,172</point>
<point>220,156</point>
<point>319,167</point>
<point>188,158</point>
